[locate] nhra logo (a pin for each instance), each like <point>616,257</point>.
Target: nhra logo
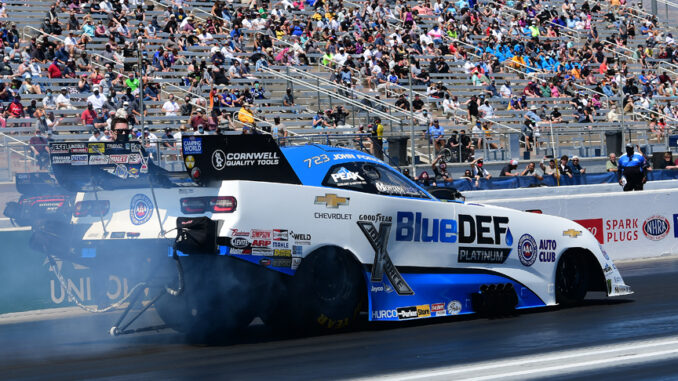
<point>140,209</point>
<point>656,228</point>
<point>527,250</point>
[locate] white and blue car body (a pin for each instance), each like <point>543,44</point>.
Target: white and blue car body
<point>420,257</point>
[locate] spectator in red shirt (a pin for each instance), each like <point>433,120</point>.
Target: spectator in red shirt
<point>40,148</point>
<point>53,70</point>
<point>88,116</point>
<point>16,109</point>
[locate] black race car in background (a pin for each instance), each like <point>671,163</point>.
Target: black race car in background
<point>41,198</point>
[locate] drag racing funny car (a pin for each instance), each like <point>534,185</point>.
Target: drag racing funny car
<point>307,237</point>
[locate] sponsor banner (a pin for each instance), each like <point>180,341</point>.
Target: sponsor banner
<point>192,146</point>
<point>656,228</point>
<point>595,226</point>
<point>261,234</point>
<point>96,147</point>
<point>61,159</point>
<point>78,147</point>
<point>119,159</point>
<point>79,159</point>
<point>133,158</point>
<point>98,160</point>
<point>58,148</point>
<point>280,235</point>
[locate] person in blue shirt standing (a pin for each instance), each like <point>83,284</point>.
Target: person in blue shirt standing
<point>437,135</point>
<point>631,169</point>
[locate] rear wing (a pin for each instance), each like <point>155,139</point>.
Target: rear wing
<point>212,158</point>
<point>89,166</point>
<point>37,183</point>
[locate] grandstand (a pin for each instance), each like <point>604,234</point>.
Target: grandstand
<point>608,68</point>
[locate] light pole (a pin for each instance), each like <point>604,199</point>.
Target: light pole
<point>141,83</point>
<point>414,168</point>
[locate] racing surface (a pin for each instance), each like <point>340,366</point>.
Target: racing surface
<point>635,337</point>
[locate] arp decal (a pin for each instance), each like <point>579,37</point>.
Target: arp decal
<point>140,209</point>
<point>656,228</point>
<point>527,250</point>
<point>382,262</point>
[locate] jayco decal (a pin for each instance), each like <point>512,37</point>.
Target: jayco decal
<point>140,209</point>
<point>527,250</point>
<point>382,262</point>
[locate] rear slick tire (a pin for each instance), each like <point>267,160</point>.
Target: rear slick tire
<point>328,291</point>
<point>571,279</point>
<point>214,303</point>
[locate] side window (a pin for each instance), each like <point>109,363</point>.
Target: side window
<point>371,178</point>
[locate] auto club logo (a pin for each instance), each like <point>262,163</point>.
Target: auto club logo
<point>140,209</point>
<point>218,160</point>
<point>656,228</point>
<point>527,250</point>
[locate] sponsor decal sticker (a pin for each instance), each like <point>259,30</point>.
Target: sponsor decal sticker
<point>264,234</point>
<point>438,309</point>
<point>98,160</point>
<point>331,200</point>
<point>241,159</point>
<point>424,310</point>
<point>121,171</point>
<point>61,159</point>
<point>297,250</point>
<point>454,307</point>
<point>261,243</point>
<point>547,250</point>
<point>484,231</point>
<point>381,287</point>
<point>527,250</point>
<point>119,159</point>
<point>240,233</point>
<point>300,238</point>
<point>656,228</point>
<point>572,233</point>
<point>281,262</point>
<point>490,255</point>
<point>218,160</point>
<point>282,252</point>
<point>413,227</point>
<point>96,147</point>
<point>295,263</point>
<point>382,262</point>
<point>58,148</point>
<point>280,235</point>
<point>192,146</point>
<point>280,245</point>
<point>344,177</point>
<point>405,313</point>
<point>239,242</point>
<point>79,159</point>
<point>261,251</point>
<point>140,209</point>
<point>133,158</point>
<point>78,148</point>
<point>385,314</point>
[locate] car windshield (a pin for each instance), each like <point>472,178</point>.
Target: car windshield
<point>371,178</point>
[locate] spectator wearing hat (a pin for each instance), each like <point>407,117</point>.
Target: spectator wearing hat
<point>97,100</point>
<point>63,101</point>
<point>511,166</point>
<point>575,167</point>
<point>88,116</point>
<point>441,175</point>
<point>436,135</point>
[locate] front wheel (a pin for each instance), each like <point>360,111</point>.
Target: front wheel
<point>571,279</point>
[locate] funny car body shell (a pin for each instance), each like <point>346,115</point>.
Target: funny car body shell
<point>421,257</point>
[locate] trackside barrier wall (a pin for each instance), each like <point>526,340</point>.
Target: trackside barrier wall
<point>530,181</point>
<point>628,224</point>
<point>28,281</point>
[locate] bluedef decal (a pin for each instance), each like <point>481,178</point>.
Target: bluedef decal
<point>484,231</point>
<point>413,227</point>
<point>527,250</point>
<point>140,209</point>
<point>382,262</point>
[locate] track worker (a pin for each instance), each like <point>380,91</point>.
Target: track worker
<point>631,169</point>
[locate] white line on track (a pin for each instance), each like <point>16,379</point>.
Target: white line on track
<point>524,366</point>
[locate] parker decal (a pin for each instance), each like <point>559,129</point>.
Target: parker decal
<point>656,228</point>
<point>382,262</point>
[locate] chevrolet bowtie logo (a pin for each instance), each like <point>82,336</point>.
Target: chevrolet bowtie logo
<point>331,200</point>
<point>572,233</point>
